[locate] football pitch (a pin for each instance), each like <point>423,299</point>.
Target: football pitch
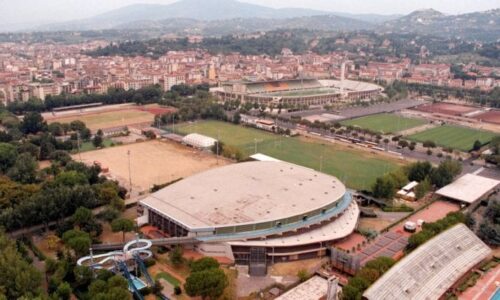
<point>385,123</point>
<point>357,168</point>
<point>455,137</point>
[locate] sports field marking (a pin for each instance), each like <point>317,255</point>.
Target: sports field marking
<point>385,123</point>
<point>456,137</point>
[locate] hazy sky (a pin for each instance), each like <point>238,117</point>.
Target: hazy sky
<point>34,11</point>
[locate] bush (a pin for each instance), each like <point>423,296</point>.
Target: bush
<point>177,290</point>
<point>146,291</point>
<point>401,208</point>
<point>149,262</point>
<point>429,230</point>
<point>303,275</point>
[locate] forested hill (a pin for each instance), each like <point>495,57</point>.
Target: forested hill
<point>301,41</point>
<point>271,44</point>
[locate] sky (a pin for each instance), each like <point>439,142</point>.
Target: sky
<point>52,11</point>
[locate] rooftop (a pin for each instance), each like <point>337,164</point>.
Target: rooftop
<point>312,289</point>
<point>431,269</point>
<point>468,188</point>
<point>246,193</point>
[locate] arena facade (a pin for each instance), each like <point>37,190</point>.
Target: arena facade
<point>278,210</point>
<point>294,92</point>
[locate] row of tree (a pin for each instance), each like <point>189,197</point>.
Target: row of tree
<point>151,94</point>
<point>423,172</point>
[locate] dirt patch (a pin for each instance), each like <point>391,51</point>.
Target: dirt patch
<point>376,224</point>
<point>492,116</point>
<point>152,162</point>
<point>107,119</point>
<point>156,109</point>
<point>291,268</point>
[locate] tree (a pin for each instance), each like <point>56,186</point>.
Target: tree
<point>77,125</point>
<point>383,188</point>
<point>429,144</point>
<point>20,279</point>
<point>208,284</point>
<point>97,141</point>
<point>82,216</point>
<point>175,256</point>
<point>477,145</point>
<point>205,263</point>
<point>110,287</point>
<point>77,240</point>
<point>71,178</point>
<point>418,171</point>
<point>237,118</point>
<point>25,169</point>
<point>56,129</point>
<point>33,123</point>
<point>60,156</point>
<point>8,156</point>
<point>63,291</point>
<point>403,144</point>
<point>422,189</point>
<point>123,225</point>
<point>445,172</point>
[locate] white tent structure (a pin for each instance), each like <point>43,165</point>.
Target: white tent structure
<point>199,141</point>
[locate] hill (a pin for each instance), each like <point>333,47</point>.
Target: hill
<point>483,26</point>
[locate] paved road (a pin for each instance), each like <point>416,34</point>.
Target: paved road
<point>355,112</point>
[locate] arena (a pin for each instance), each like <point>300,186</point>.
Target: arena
<point>295,92</point>
<point>278,210</point>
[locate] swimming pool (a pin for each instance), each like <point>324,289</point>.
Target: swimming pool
<point>496,295</point>
<point>139,284</point>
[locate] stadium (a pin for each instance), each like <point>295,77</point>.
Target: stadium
<point>270,210</point>
<point>295,92</point>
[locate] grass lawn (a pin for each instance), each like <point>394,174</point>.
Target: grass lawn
<point>456,137</point>
<point>386,123</point>
<point>169,278</point>
<point>88,146</point>
<point>357,168</point>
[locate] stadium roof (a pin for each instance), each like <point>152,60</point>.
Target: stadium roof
<point>468,188</point>
<point>432,268</point>
<point>245,193</point>
<point>351,85</point>
<point>312,289</point>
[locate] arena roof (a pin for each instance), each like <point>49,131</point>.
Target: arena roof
<point>245,193</point>
<point>263,157</point>
<point>432,268</point>
<point>341,227</point>
<point>468,188</point>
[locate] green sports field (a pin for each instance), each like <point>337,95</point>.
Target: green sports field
<point>455,137</point>
<point>357,168</point>
<point>386,123</point>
